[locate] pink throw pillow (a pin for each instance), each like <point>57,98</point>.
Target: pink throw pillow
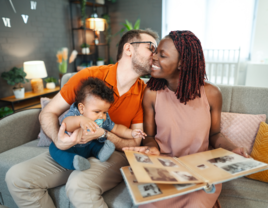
<point>241,129</point>
<point>45,141</point>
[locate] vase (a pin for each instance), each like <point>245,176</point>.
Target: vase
<point>85,50</point>
<point>100,62</point>
<point>50,85</point>
<point>19,93</point>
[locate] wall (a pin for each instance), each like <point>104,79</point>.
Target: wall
<point>47,31</point>
<point>260,38</point>
<point>149,11</point>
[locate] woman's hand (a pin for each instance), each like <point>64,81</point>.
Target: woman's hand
<point>87,124</point>
<point>241,151</point>
<point>144,149</point>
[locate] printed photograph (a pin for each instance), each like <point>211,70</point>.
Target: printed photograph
<point>226,160</point>
<point>183,176</point>
<point>149,189</point>
<point>130,170</point>
<point>167,162</point>
<point>183,186</point>
<point>242,166</point>
<point>142,158</point>
<point>202,166</point>
<point>159,174</point>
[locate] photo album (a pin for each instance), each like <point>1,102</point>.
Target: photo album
<point>152,178</point>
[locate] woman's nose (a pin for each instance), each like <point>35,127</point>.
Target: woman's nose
<point>155,56</point>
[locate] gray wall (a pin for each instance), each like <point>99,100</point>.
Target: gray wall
<point>47,31</point>
<point>149,11</point>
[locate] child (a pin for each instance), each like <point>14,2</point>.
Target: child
<point>91,104</point>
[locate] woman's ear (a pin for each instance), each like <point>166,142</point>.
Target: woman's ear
<point>81,108</point>
<point>179,65</point>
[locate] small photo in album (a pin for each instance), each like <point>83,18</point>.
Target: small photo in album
<point>167,162</point>
<point>183,176</point>
<point>149,189</point>
<point>142,158</point>
<point>202,166</point>
<point>183,186</point>
<point>159,174</point>
<point>241,166</point>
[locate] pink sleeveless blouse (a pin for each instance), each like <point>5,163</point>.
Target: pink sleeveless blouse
<point>183,130</point>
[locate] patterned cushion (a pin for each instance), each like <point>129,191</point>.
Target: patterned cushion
<point>260,152</point>
<point>241,129</point>
<point>45,141</point>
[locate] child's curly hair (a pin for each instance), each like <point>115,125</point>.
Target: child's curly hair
<point>96,87</point>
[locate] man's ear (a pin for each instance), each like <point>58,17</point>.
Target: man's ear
<point>81,108</point>
<point>127,49</point>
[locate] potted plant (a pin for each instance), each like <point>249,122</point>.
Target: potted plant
<point>50,82</point>
<point>5,111</point>
<point>16,77</point>
<point>100,61</point>
<point>85,48</point>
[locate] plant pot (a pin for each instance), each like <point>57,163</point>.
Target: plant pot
<point>50,85</point>
<point>99,63</point>
<point>19,93</point>
<point>85,51</point>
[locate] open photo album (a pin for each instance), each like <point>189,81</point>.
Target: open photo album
<point>151,178</point>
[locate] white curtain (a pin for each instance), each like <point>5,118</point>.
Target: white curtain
<point>219,24</point>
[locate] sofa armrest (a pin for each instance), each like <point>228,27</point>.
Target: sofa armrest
<point>19,128</point>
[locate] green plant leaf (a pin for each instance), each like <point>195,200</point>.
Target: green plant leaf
<point>137,24</point>
<point>4,111</point>
<point>128,25</point>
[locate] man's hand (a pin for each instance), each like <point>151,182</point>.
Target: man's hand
<point>89,137</point>
<point>65,141</point>
<point>138,134</point>
<point>87,124</point>
<point>144,149</point>
<point>241,151</point>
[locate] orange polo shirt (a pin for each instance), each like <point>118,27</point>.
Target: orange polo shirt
<point>126,109</point>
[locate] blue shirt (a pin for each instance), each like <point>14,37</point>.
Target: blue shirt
<point>108,124</point>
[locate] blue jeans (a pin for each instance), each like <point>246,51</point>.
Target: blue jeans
<point>65,157</point>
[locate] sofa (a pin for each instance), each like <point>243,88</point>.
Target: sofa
<point>18,142</point>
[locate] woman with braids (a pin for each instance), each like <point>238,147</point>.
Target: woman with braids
<point>182,112</point>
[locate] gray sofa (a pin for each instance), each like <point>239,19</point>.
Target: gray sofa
<point>18,143</point>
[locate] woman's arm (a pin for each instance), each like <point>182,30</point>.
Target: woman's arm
<point>216,138</point>
<point>150,146</point>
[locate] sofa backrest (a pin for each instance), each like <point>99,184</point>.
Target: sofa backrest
<point>235,99</point>
<point>244,99</point>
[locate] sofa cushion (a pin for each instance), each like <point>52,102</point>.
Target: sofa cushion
<point>260,152</point>
<point>244,193</point>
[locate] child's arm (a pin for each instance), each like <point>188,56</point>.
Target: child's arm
<point>123,131</point>
<point>75,122</point>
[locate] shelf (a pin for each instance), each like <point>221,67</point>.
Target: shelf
<point>81,54</point>
<point>83,28</point>
<point>90,3</point>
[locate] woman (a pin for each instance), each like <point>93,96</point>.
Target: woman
<point>182,112</point>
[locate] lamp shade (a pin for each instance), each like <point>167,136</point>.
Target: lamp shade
<point>35,69</point>
<point>97,24</point>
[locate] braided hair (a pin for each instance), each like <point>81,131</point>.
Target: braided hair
<point>192,72</point>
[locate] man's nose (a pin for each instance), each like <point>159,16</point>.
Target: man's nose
<point>155,56</point>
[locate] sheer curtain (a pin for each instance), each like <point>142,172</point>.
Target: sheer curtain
<point>219,24</point>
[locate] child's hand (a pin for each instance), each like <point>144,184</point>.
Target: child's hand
<point>87,124</point>
<point>137,134</point>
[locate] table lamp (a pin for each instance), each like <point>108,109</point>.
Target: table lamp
<point>35,70</point>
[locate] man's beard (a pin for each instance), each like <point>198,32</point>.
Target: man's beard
<point>140,65</point>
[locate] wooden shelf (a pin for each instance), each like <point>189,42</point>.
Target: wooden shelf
<point>30,100</point>
<point>90,3</point>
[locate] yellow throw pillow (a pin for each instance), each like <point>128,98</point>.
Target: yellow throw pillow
<point>260,152</point>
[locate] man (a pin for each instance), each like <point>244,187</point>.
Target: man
<point>28,181</point>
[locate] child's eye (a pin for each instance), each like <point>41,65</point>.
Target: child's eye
<point>96,111</point>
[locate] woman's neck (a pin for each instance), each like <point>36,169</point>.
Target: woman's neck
<point>173,84</point>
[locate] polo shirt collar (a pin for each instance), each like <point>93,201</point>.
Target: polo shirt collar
<point>111,80</point>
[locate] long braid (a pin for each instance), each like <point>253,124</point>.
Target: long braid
<point>192,72</point>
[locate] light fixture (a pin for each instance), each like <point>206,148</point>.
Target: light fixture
<point>35,70</point>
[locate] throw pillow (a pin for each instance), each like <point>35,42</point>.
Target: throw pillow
<point>44,140</point>
<point>241,129</point>
<point>260,152</point>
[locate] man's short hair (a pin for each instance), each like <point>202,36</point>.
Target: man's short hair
<point>134,35</point>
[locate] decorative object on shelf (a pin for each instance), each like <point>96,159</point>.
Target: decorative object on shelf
<point>84,65</point>
<point>73,56</point>
<point>51,82</point>
<point>100,1</point>
<point>5,111</point>
<point>100,62</point>
<point>83,11</point>
<point>62,60</point>
<point>85,48</point>
<point>128,26</point>
<point>96,24</point>
<point>16,77</point>
<point>35,70</point>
